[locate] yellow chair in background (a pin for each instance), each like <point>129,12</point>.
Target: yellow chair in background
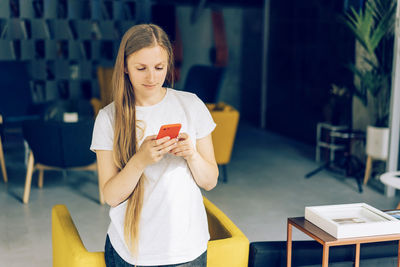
<point>104,77</point>
<point>228,246</point>
<point>223,137</point>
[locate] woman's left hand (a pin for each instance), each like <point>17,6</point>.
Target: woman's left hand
<point>184,147</point>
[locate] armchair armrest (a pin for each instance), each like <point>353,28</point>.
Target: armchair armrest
<point>68,249</point>
<point>228,246</point>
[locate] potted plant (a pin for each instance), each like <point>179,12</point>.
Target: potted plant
<point>373,28</point>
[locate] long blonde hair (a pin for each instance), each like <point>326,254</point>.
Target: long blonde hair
<point>125,139</point>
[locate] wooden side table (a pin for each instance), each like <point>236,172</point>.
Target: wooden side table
<point>327,241</point>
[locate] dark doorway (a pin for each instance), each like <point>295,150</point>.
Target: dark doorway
<point>309,47</point>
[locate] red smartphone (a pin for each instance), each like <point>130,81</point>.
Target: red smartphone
<point>171,130</point>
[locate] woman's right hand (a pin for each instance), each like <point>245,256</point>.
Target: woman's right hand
<point>152,150</point>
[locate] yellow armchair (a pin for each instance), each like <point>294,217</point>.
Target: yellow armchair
<point>223,137</point>
<point>228,246</point>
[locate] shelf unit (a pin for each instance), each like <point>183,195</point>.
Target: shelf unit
<point>63,41</point>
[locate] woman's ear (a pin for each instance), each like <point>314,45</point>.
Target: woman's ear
<point>126,70</point>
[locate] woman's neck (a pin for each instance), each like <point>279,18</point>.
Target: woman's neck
<point>151,99</point>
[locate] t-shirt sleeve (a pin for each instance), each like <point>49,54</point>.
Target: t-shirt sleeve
<point>204,121</point>
<point>103,133</point>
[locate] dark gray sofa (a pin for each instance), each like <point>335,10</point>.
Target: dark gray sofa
<point>309,253</point>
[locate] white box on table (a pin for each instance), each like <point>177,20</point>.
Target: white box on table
<point>352,220</point>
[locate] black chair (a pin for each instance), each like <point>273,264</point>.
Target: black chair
<point>16,103</point>
<point>57,145</point>
<point>205,82</point>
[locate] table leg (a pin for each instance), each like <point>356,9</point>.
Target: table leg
<point>325,256</point>
<point>289,245</point>
<point>357,259</point>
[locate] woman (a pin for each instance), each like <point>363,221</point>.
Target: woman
<point>152,185</point>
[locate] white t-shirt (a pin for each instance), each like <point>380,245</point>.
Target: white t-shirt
<point>173,226</point>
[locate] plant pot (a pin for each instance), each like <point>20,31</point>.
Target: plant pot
<point>377,142</point>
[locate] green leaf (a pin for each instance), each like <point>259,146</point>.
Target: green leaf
<point>383,26</point>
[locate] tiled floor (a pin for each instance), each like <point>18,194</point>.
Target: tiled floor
<point>265,186</point>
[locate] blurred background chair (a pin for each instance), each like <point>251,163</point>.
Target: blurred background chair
<point>205,81</point>
<point>57,145</point>
<point>104,77</point>
<point>2,161</point>
<point>227,118</point>
<point>228,246</point>
<point>16,101</point>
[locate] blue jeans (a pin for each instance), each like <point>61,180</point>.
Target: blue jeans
<point>114,260</point>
